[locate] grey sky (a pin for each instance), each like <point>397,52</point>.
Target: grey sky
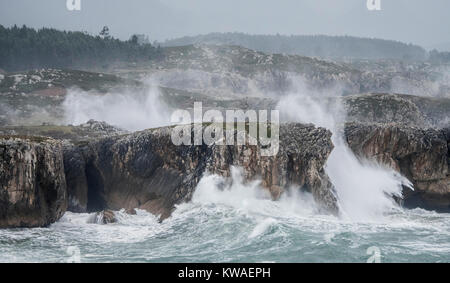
<point>425,22</point>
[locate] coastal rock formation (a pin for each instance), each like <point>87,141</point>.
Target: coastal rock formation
<point>146,170</point>
<point>104,217</point>
<point>403,109</point>
<point>72,140</point>
<point>32,182</point>
<point>41,177</point>
<point>422,112</point>
<point>383,108</point>
<point>421,155</point>
<point>303,152</point>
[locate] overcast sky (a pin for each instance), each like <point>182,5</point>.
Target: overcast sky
<point>424,22</point>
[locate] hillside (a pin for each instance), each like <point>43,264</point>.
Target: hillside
<point>23,48</point>
<point>334,47</point>
<point>234,70</point>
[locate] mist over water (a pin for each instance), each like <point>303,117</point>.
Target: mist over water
<point>128,110</point>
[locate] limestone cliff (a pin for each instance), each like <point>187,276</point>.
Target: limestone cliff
<point>41,177</point>
<point>32,182</point>
<point>148,171</point>
<point>422,155</point>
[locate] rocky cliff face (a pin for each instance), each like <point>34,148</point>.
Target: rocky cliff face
<point>304,150</point>
<point>42,177</point>
<point>384,108</point>
<point>146,170</point>
<point>422,155</point>
<point>225,70</point>
<point>32,182</point>
<point>410,110</point>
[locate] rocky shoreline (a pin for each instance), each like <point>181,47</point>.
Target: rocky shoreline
<point>33,185</point>
<point>44,177</point>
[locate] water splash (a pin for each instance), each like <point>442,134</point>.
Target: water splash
<point>263,231</point>
<point>364,188</point>
<point>127,110</point>
<point>251,197</point>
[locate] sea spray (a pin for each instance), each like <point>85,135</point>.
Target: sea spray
<point>212,228</point>
<point>251,197</point>
<point>127,110</point>
<point>208,232</point>
<point>364,188</point>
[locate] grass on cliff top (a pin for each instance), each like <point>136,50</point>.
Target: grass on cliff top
<point>247,62</point>
<point>35,80</point>
<point>72,133</point>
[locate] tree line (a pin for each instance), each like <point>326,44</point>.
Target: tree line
<point>23,48</point>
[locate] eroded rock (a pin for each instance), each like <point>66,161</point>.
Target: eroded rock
<point>103,217</point>
<point>421,155</point>
<point>33,185</point>
<point>146,170</point>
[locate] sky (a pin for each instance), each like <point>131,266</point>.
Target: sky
<point>423,22</point>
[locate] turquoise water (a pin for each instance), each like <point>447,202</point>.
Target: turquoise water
<point>239,224</point>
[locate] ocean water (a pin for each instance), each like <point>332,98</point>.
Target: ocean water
<point>236,223</point>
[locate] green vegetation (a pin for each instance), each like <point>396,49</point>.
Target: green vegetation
<point>23,48</point>
<point>244,61</point>
<point>76,134</point>
<point>35,80</point>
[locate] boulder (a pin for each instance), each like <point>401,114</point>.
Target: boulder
<point>103,217</point>
<point>131,211</point>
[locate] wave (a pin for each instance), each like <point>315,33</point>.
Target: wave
<point>365,189</point>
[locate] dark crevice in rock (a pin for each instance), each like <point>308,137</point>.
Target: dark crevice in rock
<point>428,201</point>
<point>96,191</point>
<point>146,170</point>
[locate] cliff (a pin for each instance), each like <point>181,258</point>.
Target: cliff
<point>146,170</point>
<point>32,182</point>
<point>421,155</point>
<point>42,177</point>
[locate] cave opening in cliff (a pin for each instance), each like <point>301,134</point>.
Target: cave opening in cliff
<point>96,193</point>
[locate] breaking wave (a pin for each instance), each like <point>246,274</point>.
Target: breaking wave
<point>364,189</point>
<point>234,222</point>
